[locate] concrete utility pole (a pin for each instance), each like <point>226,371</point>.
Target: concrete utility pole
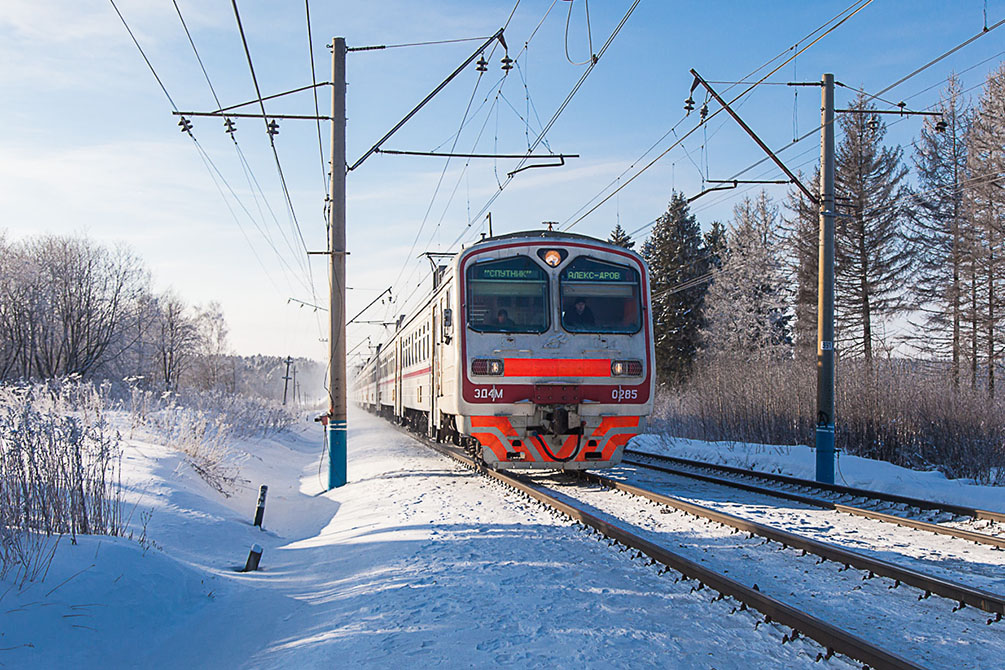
<point>286,378</point>
<point>337,428</point>
<point>825,292</point>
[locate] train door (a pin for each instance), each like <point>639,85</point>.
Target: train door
<point>398,365</point>
<point>434,358</point>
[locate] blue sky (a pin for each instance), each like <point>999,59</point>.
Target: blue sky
<point>90,146</point>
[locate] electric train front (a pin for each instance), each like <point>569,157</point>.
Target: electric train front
<point>557,349</point>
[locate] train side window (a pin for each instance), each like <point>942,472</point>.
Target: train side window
<point>507,296</point>
<point>600,297</point>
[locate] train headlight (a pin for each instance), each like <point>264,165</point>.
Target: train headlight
<point>487,366</point>
<point>626,368</point>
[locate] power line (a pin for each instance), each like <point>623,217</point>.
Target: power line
<point>566,225</point>
<point>145,59</point>
<point>207,160</point>
<point>860,7</point>
<point>939,58</point>
<point>272,143</point>
<point>561,108</point>
<point>245,166</point>
<point>317,107</point>
<point>456,136</point>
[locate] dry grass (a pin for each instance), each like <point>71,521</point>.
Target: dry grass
<point>898,411</point>
<point>59,472</point>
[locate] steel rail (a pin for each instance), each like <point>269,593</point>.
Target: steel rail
<point>938,529</point>
<point>985,600</point>
<point>831,637</point>
<point>835,488</point>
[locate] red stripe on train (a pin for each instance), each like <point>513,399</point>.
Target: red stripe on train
<point>557,367</point>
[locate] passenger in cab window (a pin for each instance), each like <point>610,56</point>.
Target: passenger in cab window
<point>580,317</point>
<point>503,320</point>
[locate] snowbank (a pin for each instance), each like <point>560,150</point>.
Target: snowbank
<point>800,461</point>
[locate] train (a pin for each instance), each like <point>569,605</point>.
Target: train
<point>533,349</point>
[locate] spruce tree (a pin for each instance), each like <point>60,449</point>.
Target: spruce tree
<point>746,306</point>
<point>716,244</point>
<point>802,254</point>
<point>621,238</point>
<point>940,232</point>
<point>678,270</point>
<point>871,260</point>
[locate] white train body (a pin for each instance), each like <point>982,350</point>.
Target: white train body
<point>536,346</point>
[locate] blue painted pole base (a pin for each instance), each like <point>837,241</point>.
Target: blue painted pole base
<point>336,454</point>
<point>825,454</point>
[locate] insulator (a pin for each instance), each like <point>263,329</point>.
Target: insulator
<point>873,124</point>
<point>507,63</point>
<point>482,64</point>
<point>703,111</point>
<point>940,126</point>
<point>273,127</point>
<point>689,104</point>
<point>185,125</point>
<point>230,126</point>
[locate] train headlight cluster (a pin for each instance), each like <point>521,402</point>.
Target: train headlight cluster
<point>487,366</point>
<point>626,368</point>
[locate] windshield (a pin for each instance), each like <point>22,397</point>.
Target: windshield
<point>507,296</point>
<point>600,297</point>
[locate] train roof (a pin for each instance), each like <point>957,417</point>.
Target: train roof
<point>539,234</point>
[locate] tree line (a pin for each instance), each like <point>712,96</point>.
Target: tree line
<point>928,254</point>
<point>70,307</point>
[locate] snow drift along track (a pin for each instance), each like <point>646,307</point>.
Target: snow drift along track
<point>834,639</point>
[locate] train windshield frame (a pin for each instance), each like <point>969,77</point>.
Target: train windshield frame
<point>610,295</point>
<point>508,295</point>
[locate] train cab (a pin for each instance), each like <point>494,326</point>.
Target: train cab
<point>555,349</point>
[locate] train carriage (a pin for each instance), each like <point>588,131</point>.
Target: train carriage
<point>536,348</point>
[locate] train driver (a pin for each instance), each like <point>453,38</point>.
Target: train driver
<point>503,320</point>
<point>580,317</point>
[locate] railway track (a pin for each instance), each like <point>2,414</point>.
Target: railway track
<point>832,638</point>
<point>929,585</point>
<point>692,469</point>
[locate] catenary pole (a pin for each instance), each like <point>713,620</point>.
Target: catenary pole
<point>825,290</point>
<point>337,428</point>
<point>286,378</point>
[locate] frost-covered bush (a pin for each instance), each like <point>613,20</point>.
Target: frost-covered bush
<point>59,472</point>
<point>201,423</point>
<point>896,411</point>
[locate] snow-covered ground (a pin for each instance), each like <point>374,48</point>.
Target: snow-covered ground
<point>800,461</point>
<point>416,562</point>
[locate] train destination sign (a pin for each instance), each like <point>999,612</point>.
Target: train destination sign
<point>510,269</point>
<point>587,269</point>
<point>505,273</point>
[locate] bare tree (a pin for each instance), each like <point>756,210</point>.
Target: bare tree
<point>940,232</point>
<point>176,340</point>
<point>86,297</point>
<point>986,203</point>
<point>212,369</point>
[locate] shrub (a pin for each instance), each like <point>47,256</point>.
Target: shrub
<point>59,472</point>
<point>900,411</point>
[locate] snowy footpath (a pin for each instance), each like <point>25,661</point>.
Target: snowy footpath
<point>416,562</point>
